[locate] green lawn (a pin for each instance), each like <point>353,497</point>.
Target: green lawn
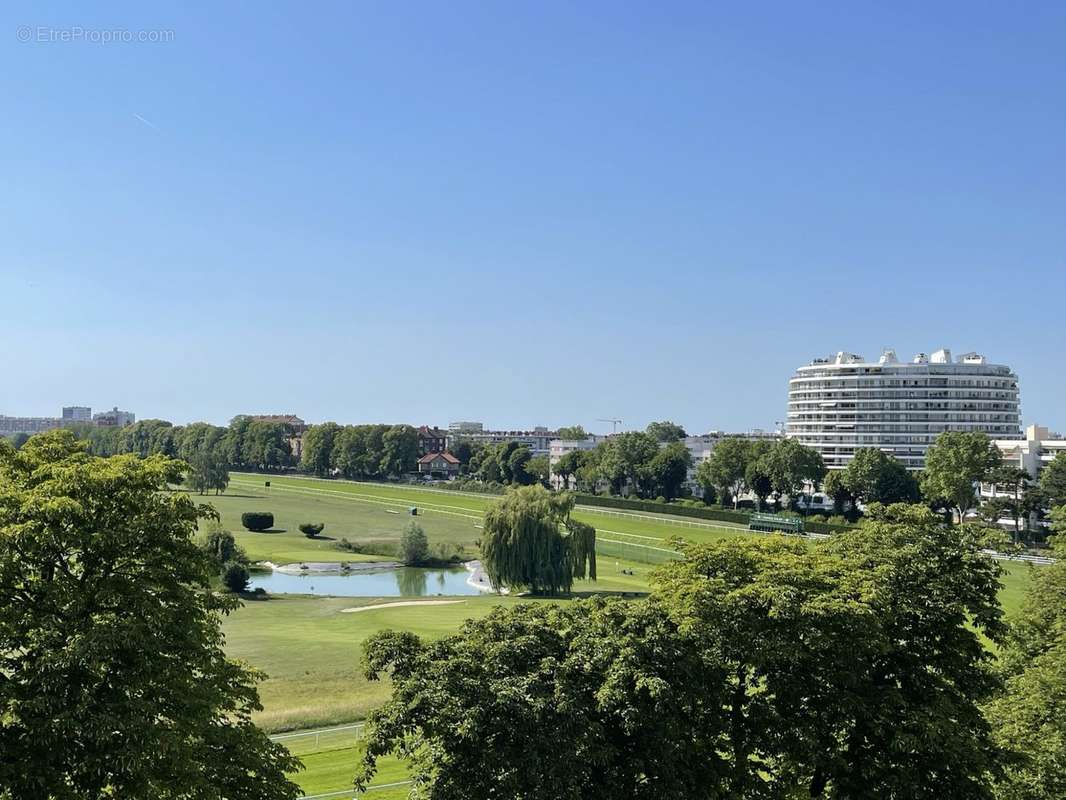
<point>375,515</point>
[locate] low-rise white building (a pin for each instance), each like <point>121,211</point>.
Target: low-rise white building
<point>1034,452</point>
<point>557,448</point>
<point>537,440</point>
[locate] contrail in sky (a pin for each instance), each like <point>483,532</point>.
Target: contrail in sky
<point>146,122</point>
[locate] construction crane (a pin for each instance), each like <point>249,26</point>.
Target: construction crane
<point>614,424</point>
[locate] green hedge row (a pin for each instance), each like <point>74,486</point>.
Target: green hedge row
<point>708,513</point>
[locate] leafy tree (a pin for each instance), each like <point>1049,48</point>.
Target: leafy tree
<point>414,546</point>
<point>833,485</point>
<point>873,476</point>
<point>727,467</point>
<point>148,437</point>
<point>757,473</point>
<point>529,541</point>
<point>221,547</point>
<point>539,469</point>
<point>311,529</point>
<point>1053,481</point>
<point>850,667</point>
<point>517,470</point>
<point>597,699</point>
<point>572,433</point>
<point>198,436</point>
<point>668,469</point>
<point>1028,717</point>
<point>790,466</point>
<point>114,679</point>
<point>568,465</point>
<point>102,441</point>
<point>235,576</point>
<point>350,455</point>
<point>208,470</point>
<point>954,464</point>
<point>665,431</point>
<point>266,445</point>
<point>19,439</point>
<point>318,441</point>
<point>400,450</point>
<point>463,450</point>
<point>257,520</point>
<point>232,443</point>
<point>624,460</point>
<point>1014,480</point>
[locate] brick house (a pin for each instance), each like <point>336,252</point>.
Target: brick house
<point>438,465</point>
<point>431,440</point>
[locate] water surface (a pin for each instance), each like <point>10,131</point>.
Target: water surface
<point>399,582</point>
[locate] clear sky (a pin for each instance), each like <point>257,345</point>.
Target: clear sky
<point>523,212</point>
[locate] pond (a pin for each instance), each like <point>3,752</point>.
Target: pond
<point>399,582</point>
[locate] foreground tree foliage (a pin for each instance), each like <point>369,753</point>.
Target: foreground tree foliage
<point>1030,717</point>
<point>530,542</point>
<point>758,668</point>
<point>573,702</point>
<point>113,681</point>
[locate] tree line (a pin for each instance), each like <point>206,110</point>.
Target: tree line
<point>359,451</point>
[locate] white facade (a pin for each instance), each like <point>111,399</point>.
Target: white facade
<point>1034,452</point>
<point>537,440</point>
<point>837,405</point>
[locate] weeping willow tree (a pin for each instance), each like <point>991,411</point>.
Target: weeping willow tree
<point>530,542</point>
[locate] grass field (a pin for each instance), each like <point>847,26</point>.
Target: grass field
<point>374,515</point>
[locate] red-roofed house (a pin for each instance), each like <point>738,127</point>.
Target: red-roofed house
<point>438,465</point>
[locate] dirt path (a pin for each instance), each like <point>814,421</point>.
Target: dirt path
<point>357,609</point>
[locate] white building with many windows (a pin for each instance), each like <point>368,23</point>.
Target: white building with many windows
<point>837,405</point>
<point>1038,449</point>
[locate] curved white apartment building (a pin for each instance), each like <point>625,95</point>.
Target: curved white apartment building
<point>839,404</point>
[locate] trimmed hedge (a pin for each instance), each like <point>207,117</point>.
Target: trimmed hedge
<point>257,520</point>
<point>708,513</point>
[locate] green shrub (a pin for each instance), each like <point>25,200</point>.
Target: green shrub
<point>235,576</point>
<point>257,520</point>
<point>311,529</point>
<point>414,546</point>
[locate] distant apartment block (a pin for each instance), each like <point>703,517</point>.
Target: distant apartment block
<point>465,427</point>
<point>114,418</point>
<point>840,404</point>
<point>77,414</point>
<point>537,440</point>
<point>31,425</point>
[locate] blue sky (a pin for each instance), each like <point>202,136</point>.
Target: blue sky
<point>524,213</point>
